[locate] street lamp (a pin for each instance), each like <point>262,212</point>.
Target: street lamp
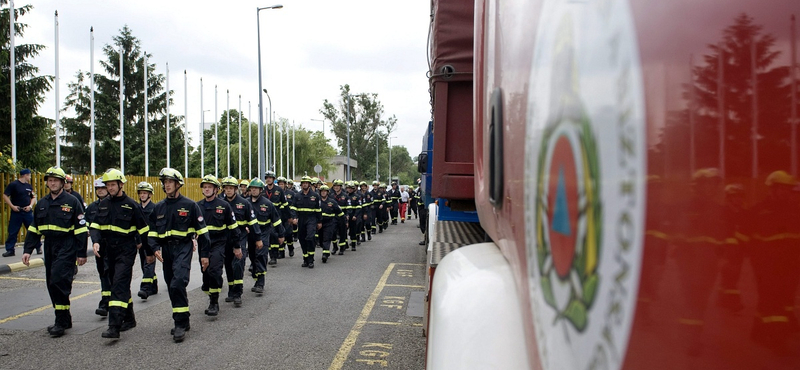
<point>377,159</point>
<point>349,108</point>
<point>390,158</point>
<point>269,115</point>
<point>323,125</point>
<point>260,98</point>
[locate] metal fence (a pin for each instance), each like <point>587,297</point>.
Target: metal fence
<point>83,184</point>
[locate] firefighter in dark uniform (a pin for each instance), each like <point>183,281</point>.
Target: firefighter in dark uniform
<point>224,234</point>
<point>277,196</point>
<point>412,202</point>
<point>177,220</point>
<point>309,219</point>
<point>118,229</point>
<point>377,206</point>
<point>354,213</point>
<point>340,196</point>
<point>149,285</point>
<point>269,220</point>
<point>234,253</point>
<point>383,212</point>
<point>243,188</point>
<point>105,285</point>
<point>394,197</point>
<point>294,227</point>
<point>330,214</point>
<point>369,214</point>
<point>315,185</point>
<point>286,216</point>
<point>60,219</point>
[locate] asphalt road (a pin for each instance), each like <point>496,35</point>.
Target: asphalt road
<point>360,310</point>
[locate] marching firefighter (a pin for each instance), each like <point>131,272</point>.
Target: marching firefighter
<point>377,206</point>
<point>149,285</point>
<point>383,212</point>
<point>412,202</point>
<point>330,213</point>
<point>223,231</point>
<point>119,229</point>
<point>235,252</point>
<point>177,220</point>
<point>60,219</point>
<point>105,285</point>
<point>243,188</point>
<point>393,195</point>
<point>368,214</point>
<point>353,214</point>
<point>269,220</point>
<point>286,216</point>
<point>340,196</point>
<point>309,219</point>
<point>277,196</point>
<point>294,227</point>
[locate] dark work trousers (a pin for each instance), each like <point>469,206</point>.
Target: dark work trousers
<point>258,258</point>
<point>394,212</point>
<point>355,229</point>
<point>212,276</point>
<point>372,226</point>
<point>288,237</point>
<point>423,218</point>
<point>234,268</point>
<point>15,222</point>
<point>149,279</point>
<point>177,266</point>
<point>59,267</point>
<point>307,227</point>
<point>412,207</point>
<point>105,283</point>
<point>273,247</point>
<point>341,228</point>
<point>326,234</point>
<point>119,259</point>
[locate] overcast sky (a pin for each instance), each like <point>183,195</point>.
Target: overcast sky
<point>309,48</point>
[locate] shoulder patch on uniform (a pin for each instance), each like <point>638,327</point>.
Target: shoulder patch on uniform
<point>126,206</point>
<point>80,216</point>
<point>200,219</point>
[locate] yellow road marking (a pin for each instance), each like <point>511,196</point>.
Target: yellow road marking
<point>40,309</point>
<point>383,323</point>
<point>409,264</point>
<point>35,279</point>
<point>350,341</point>
<point>18,266</point>
<point>406,286</point>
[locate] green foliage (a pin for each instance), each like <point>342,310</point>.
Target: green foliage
<point>223,147</point>
<point>34,133</point>
<point>368,128</point>
<point>76,157</point>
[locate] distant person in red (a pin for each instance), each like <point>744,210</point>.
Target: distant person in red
<point>20,198</point>
<point>404,197</point>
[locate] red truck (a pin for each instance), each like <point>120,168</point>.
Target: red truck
<point>633,165</point>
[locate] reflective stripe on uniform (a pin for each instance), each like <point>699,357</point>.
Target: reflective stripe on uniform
<point>180,309</point>
<point>118,304</point>
<point>215,290</point>
<point>106,293</point>
<point>118,229</point>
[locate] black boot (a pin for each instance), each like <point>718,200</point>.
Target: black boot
<point>178,334</point>
<point>213,308</point>
<point>127,325</point>
<point>369,235</point>
<point>112,332</point>
<point>281,254</point>
<point>353,246</point>
<point>102,308</point>
<point>305,262</point>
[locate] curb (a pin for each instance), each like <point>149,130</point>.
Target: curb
<point>19,266</point>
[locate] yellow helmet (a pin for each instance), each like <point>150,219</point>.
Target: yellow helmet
<point>244,182</point>
<point>145,186</point>
<point>324,187</point>
<point>305,179</point>
<point>782,178</point>
<point>113,174</point>
<point>170,173</point>
<point>56,172</point>
<point>229,181</point>
<point>210,179</point>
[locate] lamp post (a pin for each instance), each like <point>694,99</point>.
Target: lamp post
<point>323,125</point>
<point>390,158</point>
<point>349,107</point>
<point>260,98</point>
<point>377,176</point>
<point>269,116</point>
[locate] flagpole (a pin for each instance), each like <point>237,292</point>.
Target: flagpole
<point>146,139</point>
<point>58,107</point>
<point>186,124</point>
<point>240,136</point>
<point>91,99</point>
<point>249,142</point>
<point>202,133</point>
<point>216,135</point>
<point>12,68</point>
<point>121,108</point>
<point>294,148</point>
<point>168,128</point>
<point>228,128</point>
